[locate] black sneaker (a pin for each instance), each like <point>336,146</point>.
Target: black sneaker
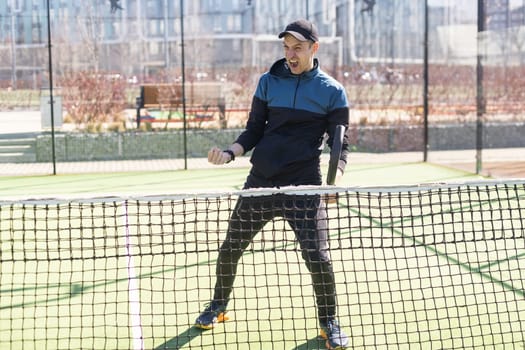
<point>215,312</point>
<point>334,336</point>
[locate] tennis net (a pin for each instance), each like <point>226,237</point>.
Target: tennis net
<point>437,266</point>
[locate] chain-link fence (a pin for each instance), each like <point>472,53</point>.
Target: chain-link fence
<point>421,76</point>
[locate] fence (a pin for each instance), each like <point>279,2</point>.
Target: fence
<point>102,56</point>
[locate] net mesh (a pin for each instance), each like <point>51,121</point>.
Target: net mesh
<point>434,266</point>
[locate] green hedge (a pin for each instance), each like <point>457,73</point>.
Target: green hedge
<point>131,145</point>
<point>170,144</point>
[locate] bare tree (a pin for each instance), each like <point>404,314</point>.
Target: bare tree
<point>91,33</point>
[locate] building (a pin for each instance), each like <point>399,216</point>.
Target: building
<point>143,37</point>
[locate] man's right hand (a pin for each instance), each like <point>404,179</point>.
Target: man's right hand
<point>218,156</point>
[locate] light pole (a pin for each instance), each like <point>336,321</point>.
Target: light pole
<point>183,76</point>
<point>14,12</point>
<point>307,10</point>
<point>166,34</point>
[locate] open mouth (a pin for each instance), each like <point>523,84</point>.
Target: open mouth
<point>293,64</point>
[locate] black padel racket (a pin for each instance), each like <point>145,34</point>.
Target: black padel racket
<point>335,154</point>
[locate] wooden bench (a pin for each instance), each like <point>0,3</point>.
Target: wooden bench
<point>162,103</point>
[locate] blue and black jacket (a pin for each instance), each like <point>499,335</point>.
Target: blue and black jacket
<point>288,119</point>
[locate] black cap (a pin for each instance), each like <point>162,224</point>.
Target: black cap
<point>302,30</point>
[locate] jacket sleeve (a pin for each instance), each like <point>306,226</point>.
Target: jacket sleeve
<point>340,115</point>
<point>257,119</point>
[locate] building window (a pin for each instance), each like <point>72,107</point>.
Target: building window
<point>154,48</point>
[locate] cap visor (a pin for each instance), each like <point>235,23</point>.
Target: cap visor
<point>296,35</point>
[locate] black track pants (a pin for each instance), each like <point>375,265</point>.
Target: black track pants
<point>306,214</point>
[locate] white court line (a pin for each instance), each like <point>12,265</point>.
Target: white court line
<point>133,291</point>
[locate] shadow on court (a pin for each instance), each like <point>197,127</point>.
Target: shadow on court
<point>312,344</point>
<point>191,333</point>
<point>182,339</point>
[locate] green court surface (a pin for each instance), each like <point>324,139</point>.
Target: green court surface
<point>135,275</point>
<point>215,179</point>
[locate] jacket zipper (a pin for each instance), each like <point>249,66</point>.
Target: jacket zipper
<point>296,88</point>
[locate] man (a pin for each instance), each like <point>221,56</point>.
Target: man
<point>294,105</point>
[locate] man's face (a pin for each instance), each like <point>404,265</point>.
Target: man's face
<point>299,54</point>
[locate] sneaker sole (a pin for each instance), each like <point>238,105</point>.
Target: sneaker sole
<point>220,318</point>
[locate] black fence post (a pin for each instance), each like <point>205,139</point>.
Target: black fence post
<point>425,85</point>
<point>52,104</point>
<point>480,100</point>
